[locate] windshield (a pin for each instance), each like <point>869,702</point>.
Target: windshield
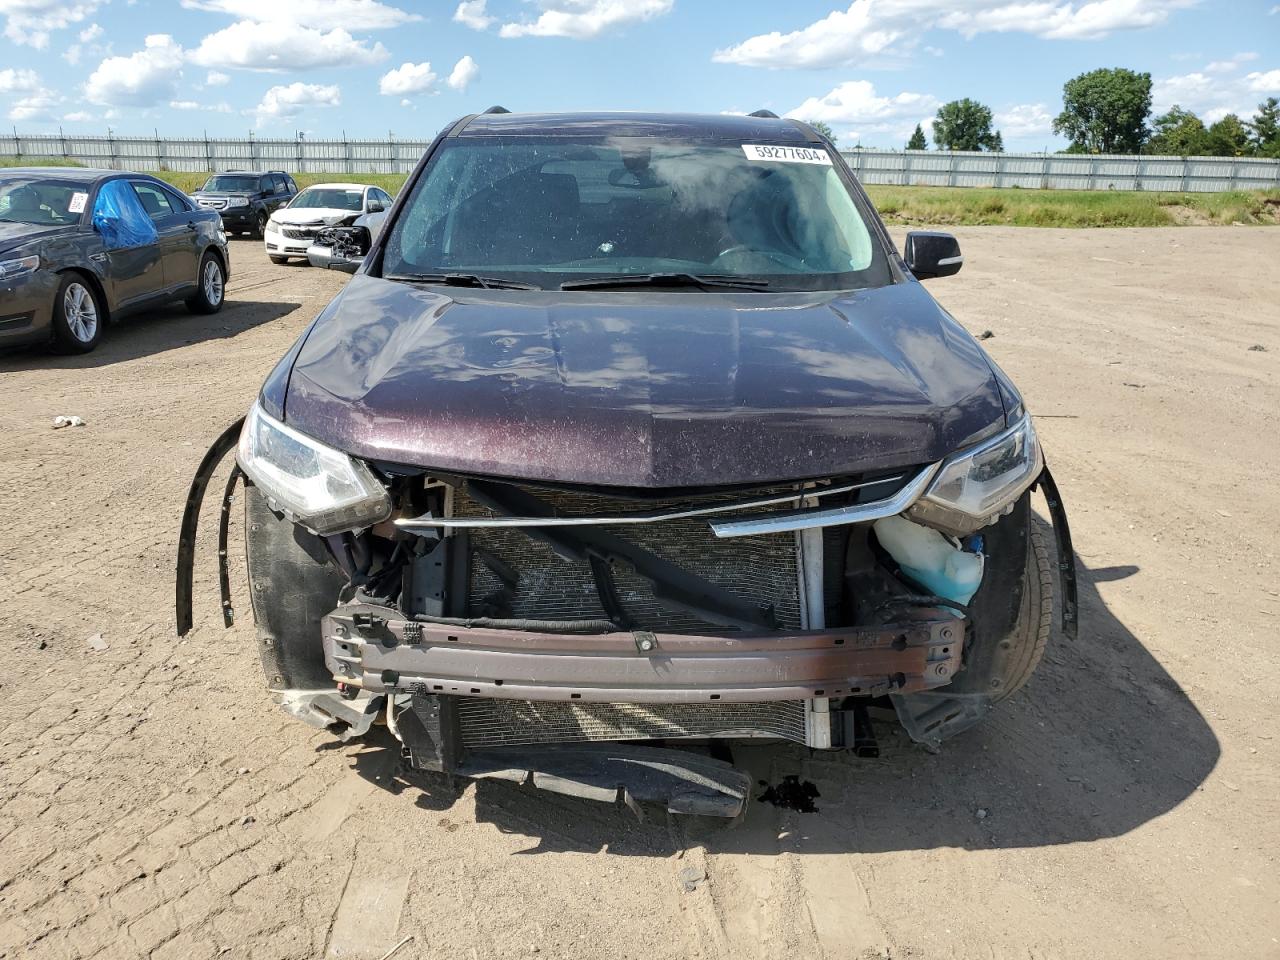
<point>232,184</point>
<point>554,210</point>
<point>42,202</point>
<point>334,198</point>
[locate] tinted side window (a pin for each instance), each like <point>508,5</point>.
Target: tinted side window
<point>179,203</point>
<point>153,199</point>
<point>265,185</point>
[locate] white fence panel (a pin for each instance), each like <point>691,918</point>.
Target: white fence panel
<point>1030,171</point>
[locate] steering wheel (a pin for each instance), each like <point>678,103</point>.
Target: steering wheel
<point>776,256</point>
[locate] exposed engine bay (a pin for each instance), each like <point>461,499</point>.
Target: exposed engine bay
<point>546,632</point>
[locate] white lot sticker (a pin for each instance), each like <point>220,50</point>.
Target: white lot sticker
<point>77,203</point>
<point>760,151</point>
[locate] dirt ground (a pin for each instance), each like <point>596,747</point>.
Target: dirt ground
<point>153,803</point>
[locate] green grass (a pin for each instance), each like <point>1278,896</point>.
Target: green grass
<point>976,206</point>
<point>38,162</point>
<point>970,206</point>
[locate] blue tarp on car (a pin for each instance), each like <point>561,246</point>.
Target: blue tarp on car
<point>119,217</point>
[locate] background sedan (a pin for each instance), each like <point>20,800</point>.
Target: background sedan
<point>292,229</point>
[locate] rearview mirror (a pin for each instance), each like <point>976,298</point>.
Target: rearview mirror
<point>931,254</point>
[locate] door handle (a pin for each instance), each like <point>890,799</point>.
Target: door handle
<point>98,257</point>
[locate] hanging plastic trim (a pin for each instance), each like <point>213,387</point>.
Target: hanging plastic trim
<point>118,216</point>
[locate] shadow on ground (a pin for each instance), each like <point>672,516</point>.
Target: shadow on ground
<point>1101,741</point>
<point>156,331</point>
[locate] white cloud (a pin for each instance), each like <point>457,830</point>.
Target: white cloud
<point>464,71</point>
<point>1231,64</point>
<point>184,105</point>
<point>316,14</point>
<point>86,37</point>
<point>408,78</point>
<point>406,102</point>
<point>878,30</point>
<point>1268,82</point>
<point>18,81</point>
<point>286,102</point>
<point>31,21</point>
<point>472,13</point>
<point>38,106</point>
<point>250,46</point>
<point>90,33</point>
<point>1024,120</point>
<point>141,79</point>
<point>585,19</point>
<point>1212,97</point>
<point>856,102</point>
<point>215,78</point>
<point>78,116</point>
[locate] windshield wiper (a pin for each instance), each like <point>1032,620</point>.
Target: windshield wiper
<point>701,281</point>
<point>463,280</point>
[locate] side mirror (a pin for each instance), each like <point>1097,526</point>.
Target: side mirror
<point>376,206</point>
<point>930,254</point>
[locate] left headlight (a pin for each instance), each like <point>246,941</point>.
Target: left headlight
<point>975,486</point>
<point>9,269</point>
<point>321,488</point>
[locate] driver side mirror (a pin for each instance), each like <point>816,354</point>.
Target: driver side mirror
<point>931,254</point>
<point>376,206</point>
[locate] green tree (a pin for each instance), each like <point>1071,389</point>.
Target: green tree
<point>1264,128</point>
<point>965,125</point>
<point>823,128</point>
<point>917,141</point>
<point>1228,138</point>
<point>1105,111</point>
<point>1178,133</point>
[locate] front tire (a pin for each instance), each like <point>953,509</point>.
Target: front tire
<point>78,316</point>
<point>260,226</point>
<point>211,286</point>
<point>1026,642</point>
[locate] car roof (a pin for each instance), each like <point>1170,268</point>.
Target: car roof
<point>338,186</point>
<point>76,174</point>
<point>676,126</point>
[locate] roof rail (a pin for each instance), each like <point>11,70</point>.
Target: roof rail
<point>497,109</point>
<point>764,115</point>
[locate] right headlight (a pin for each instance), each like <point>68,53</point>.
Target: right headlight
<point>9,269</point>
<point>314,485</point>
<point>975,486</point>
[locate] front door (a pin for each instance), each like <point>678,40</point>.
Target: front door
<point>177,236</point>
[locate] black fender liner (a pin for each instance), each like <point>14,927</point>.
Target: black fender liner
<point>225,443</point>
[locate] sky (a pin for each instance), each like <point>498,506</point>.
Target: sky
<point>871,69</point>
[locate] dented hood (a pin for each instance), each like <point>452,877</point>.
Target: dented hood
<point>640,388</point>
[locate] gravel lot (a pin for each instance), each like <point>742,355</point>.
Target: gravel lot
<point>153,803</point>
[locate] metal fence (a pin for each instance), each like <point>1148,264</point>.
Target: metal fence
<point>1061,171</point>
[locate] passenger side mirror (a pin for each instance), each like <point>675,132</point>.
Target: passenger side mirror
<point>376,206</point>
<point>931,254</point>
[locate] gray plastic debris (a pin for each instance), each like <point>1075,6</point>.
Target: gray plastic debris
<point>96,642</point>
<point>60,422</point>
<point>691,877</point>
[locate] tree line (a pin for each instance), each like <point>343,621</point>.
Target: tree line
<point>1109,111</point>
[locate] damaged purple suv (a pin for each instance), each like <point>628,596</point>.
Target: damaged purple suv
<point>632,434</point>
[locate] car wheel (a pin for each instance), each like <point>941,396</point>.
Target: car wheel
<point>78,316</point>
<point>275,259</point>
<point>260,228</point>
<point>212,286</point>
<point>1027,640</point>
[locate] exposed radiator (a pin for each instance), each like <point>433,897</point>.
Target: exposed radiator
<point>762,569</point>
<point>488,723</point>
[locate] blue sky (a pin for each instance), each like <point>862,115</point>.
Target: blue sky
<point>872,69</point>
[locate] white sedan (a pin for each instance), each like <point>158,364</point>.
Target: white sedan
<point>292,229</point>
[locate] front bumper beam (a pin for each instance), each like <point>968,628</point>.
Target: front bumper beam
<point>379,650</point>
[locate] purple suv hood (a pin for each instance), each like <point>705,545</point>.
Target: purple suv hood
<point>640,389</point>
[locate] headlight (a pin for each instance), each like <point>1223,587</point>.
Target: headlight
<point>273,225</point>
<point>237,202</point>
<point>320,488</point>
<point>975,486</point>
<point>9,269</point>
